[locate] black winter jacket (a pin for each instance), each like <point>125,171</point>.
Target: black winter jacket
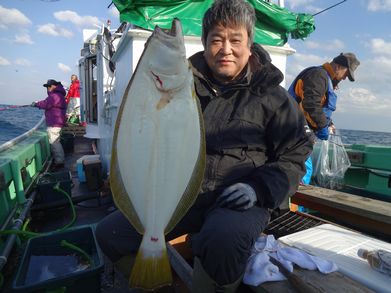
<point>314,81</point>
<point>254,132</point>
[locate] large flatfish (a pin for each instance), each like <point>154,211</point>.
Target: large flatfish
<point>158,153</point>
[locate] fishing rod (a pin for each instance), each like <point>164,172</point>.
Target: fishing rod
<point>329,7</point>
<point>14,107</point>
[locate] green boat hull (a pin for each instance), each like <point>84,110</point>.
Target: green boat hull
<point>370,172</point>
<point>20,164</point>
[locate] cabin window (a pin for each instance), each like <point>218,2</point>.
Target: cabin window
<point>90,90</point>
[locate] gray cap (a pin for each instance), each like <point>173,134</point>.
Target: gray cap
<point>348,60</point>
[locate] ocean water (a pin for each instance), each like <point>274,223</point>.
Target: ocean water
<point>16,121</point>
<point>365,137</point>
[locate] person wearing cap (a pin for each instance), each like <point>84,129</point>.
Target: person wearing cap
<point>314,90</point>
<point>55,108</point>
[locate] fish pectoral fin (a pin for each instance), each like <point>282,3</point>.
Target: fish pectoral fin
<point>163,101</point>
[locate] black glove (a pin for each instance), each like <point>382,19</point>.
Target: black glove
<point>239,196</point>
<point>33,104</point>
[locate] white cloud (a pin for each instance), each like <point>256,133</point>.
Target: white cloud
<point>363,100</point>
<point>22,62</point>
<point>303,5</point>
<point>23,39</point>
<point>355,99</point>
<point>298,62</point>
<point>332,45</point>
<point>380,46</point>
<point>309,6</point>
<point>12,18</point>
<point>379,5</point>
<point>79,21</point>
<point>312,45</point>
<point>375,73</point>
<point>63,67</point>
<point>297,3</point>
<point>54,30</point>
<point>370,93</point>
<point>4,62</point>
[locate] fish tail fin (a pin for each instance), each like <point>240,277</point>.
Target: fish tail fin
<point>151,270</point>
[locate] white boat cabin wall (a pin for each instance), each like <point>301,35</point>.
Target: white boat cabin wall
<point>108,61</point>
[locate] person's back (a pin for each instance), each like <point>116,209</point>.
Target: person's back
<point>314,89</point>
<point>55,108</point>
<point>55,113</point>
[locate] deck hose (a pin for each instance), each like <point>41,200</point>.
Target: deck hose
<point>29,234</point>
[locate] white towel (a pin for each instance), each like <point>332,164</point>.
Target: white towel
<point>259,269</point>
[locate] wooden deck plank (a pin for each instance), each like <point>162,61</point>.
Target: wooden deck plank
<point>371,208</point>
<point>369,214</point>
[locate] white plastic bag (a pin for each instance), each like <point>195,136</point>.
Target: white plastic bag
<point>330,161</point>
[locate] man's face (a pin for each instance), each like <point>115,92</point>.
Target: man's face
<point>341,73</point>
<point>227,52</point>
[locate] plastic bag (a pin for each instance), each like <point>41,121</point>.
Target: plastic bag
<point>73,119</point>
<point>330,162</point>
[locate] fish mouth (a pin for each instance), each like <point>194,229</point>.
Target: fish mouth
<point>173,37</point>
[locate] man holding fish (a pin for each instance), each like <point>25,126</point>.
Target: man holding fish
<point>256,146</point>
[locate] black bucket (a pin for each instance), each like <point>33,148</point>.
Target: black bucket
<point>45,254</point>
<point>46,183</point>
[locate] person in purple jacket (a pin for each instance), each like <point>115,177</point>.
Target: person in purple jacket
<point>55,108</point>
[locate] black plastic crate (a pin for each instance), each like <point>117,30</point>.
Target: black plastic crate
<point>43,266</point>
<point>93,172</point>
<point>46,183</point>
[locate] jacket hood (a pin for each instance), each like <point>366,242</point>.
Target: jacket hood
<point>60,90</point>
<point>264,74</point>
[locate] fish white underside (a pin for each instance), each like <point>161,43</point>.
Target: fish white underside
<point>157,149</point>
<point>158,157</point>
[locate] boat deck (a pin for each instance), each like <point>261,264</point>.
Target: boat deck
<point>93,205</point>
<point>370,216</point>
<point>90,205</point>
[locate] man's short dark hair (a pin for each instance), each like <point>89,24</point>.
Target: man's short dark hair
<point>229,13</point>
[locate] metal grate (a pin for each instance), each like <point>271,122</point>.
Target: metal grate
<point>291,222</point>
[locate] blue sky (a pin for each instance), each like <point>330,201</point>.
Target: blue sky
<point>41,39</point>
